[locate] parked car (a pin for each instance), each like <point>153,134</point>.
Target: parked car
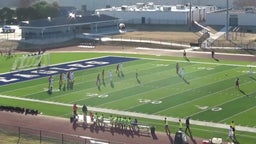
<point>8,29</point>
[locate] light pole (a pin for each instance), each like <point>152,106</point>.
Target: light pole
<point>227,22</point>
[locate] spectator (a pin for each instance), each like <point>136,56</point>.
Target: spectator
<point>167,129</point>
<point>75,110</point>
<point>188,127</point>
<point>180,125</point>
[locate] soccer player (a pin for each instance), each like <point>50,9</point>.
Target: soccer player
<point>72,78</point>
<point>110,76</point>
<point>68,80</point>
<point>121,69</point>
<point>51,80</point>
<point>64,76</point>
<point>98,80</point>
<point>250,71</point>
<point>137,74</point>
<point>60,81</point>
<point>182,73</point>
<point>118,70</point>
<point>237,83</point>
<point>103,76</point>
<point>167,129</point>
<point>177,68</point>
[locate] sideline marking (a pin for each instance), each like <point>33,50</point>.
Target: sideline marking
<point>141,115</point>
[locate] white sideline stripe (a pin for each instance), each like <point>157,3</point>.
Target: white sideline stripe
<point>197,62</point>
<point>168,50</point>
<point>141,115</point>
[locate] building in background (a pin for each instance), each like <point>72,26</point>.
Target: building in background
<point>91,5</point>
<point>67,27</point>
<point>149,13</point>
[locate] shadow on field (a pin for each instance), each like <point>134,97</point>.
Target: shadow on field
<point>170,139</point>
<point>241,91</point>
<point>187,82</point>
<point>253,78</point>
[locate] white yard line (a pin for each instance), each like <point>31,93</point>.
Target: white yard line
<point>141,115</point>
<point>238,114</point>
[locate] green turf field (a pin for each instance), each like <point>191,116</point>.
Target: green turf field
<point>207,92</point>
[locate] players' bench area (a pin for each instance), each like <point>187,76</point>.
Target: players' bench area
<point>112,123</point>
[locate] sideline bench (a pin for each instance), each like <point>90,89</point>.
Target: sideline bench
<point>143,129</point>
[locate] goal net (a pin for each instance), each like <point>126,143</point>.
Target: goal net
<point>31,61</point>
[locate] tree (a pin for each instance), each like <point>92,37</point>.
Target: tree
<point>6,14</point>
<point>25,3</point>
<point>45,10</point>
<point>39,10</point>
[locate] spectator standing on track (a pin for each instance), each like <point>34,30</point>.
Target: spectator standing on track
<point>84,109</point>
<point>187,130</point>
<point>167,129</point>
<point>184,54</point>
<point>233,126</point>
<point>237,83</point>
<point>230,134</point>
<point>75,108</point>
<point>213,53</point>
<point>180,125</point>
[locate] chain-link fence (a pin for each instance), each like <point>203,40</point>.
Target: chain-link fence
<point>22,135</point>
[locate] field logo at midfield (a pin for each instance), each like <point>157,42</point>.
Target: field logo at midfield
<point>205,68</point>
<point>97,95</point>
<point>215,109</point>
<point>30,74</point>
<point>149,101</point>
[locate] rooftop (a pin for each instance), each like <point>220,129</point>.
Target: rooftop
<point>66,21</point>
<point>150,6</point>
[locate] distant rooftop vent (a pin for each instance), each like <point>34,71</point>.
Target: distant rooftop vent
<point>124,7</point>
<point>180,7</point>
<point>139,5</point>
<point>166,8</point>
<point>250,9</point>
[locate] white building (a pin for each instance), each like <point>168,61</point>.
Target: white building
<point>236,18</point>
<point>149,13</point>
<point>97,4</point>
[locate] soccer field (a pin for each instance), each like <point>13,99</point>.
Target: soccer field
<point>207,92</point>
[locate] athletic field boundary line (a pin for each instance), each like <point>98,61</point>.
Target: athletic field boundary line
<point>141,115</point>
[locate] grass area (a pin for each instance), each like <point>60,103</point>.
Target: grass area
<point>208,86</point>
<point>167,33</point>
